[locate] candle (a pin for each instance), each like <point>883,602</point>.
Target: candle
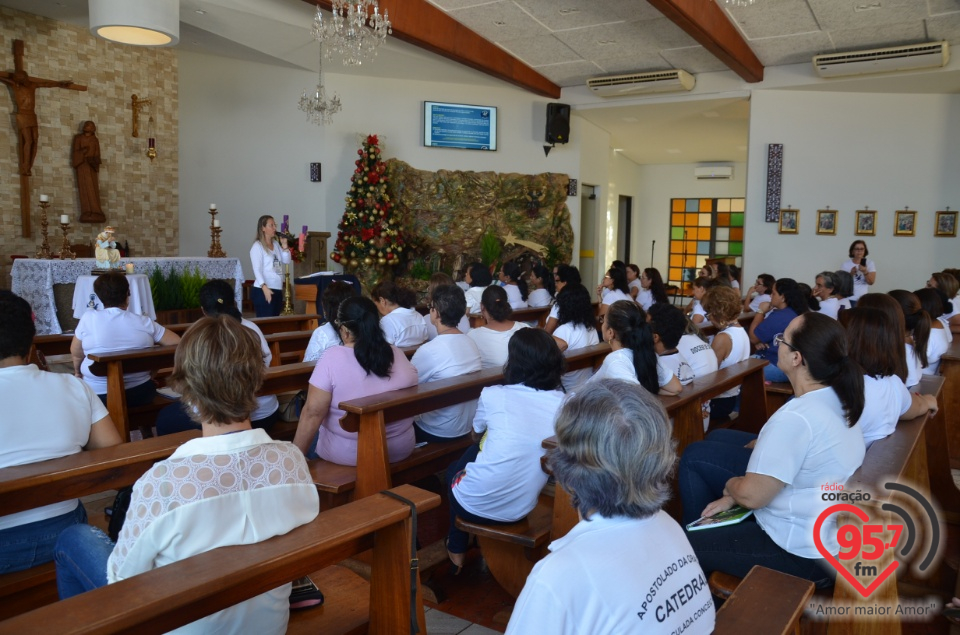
<point>64,219</point>
<point>216,222</point>
<point>151,143</point>
<point>213,206</point>
<point>44,198</point>
<point>129,267</point>
<point>304,230</point>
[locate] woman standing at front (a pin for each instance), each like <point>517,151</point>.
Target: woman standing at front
<point>863,270</point>
<point>267,257</point>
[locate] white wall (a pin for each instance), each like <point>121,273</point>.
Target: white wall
<point>656,185</point>
<point>849,150</point>
<point>245,146</point>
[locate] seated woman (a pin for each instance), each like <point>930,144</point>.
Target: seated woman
<point>653,290</point>
<point>949,285</point>
<point>731,343</point>
<point>499,479</point>
<point>939,340</point>
<point>46,416</point>
<point>759,293</point>
<point>894,312</point>
<point>514,284</point>
<point>725,276</point>
<point>216,298</point>
<point>615,454</point>
<point>876,344</point>
<point>232,486</point>
<point>113,329</point>
<point>612,289</point>
<point>786,303</point>
<point>844,291</point>
<point>566,274</point>
<point>694,349</point>
<point>826,291</point>
<point>544,287</point>
<point>632,357</point>
<point>577,329</point>
<point>633,282</point>
<point>698,288</point>
<point>325,335</point>
<point>492,339</point>
<point>463,325</point>
<point>400,322</point>
<point>813,439</point>
<point>667,324</point>
<point>916,335</point>
<point>364,365</point>
<point>450,354</point>
<point>479,278</point>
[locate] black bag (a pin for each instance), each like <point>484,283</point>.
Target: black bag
<point>118,512</point>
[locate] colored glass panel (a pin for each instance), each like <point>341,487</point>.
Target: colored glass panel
<point>737,204</point>
<point>723,205</point>
<point>691,246</point>
<point>723,233</point>
<point>691,261</point>
<point>675,273</point>
<point>676,246</point>
<point>677,204</point>
<point>691,219</point>
<point>703,233</point>
<point>693,205</point>
<point>736,219</point>
<point>676,233</point>
<point>736,233</point>
<point>736,248</point>
<point>676,260</point>
<point>703,247</point>
<point>706,204</point>
<point>706,220</point>
<point>723,220</point>
<point>677,219</point>
<point>721,248</point>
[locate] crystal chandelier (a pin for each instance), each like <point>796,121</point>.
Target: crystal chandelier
<point>355,32</point>
<point>319,110</point>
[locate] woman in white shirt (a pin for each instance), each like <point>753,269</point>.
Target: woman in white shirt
<point>578,329</point>
<point>759,293</point>
<point>494,338</point>
<point>633,282</point>
<point>499,479</point>
<point>632,356</point>
<point>731,343</point>
<point>232,486</point>
<point>479,278</point>
<point>399,320</point>
<point>940,337</point>
<point>440,279</point>
<point>612,289</point>
<point>545,289</point>
<point>325,336</point>
<point>825,290</point>
<point>698,315</point>
<point>949,285</point>
<point>267,257</point>
<point>514,284</point>
<point>565,274</point>
<point>863,270</point>
<point>812,440</point>
<point>917,334</point>
<point>653,288</point>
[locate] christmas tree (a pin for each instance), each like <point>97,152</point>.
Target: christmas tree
<point>368,234</point>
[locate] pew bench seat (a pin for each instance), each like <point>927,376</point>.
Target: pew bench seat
<point>28,589</point>
<point>766,601</point>
<point>777,394</point>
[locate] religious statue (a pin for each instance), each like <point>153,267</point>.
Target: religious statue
<point>108,257</point>
<point>85,158</point>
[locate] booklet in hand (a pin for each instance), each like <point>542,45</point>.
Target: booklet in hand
<point>732,516</point>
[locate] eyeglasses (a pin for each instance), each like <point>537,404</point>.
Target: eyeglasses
<point>778,340</point>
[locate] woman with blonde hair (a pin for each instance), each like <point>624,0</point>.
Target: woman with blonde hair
<point>267,257</point>
<point>731,343</point>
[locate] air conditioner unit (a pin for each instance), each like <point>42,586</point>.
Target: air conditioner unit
<point>639,83</point>
<point>895,58</point>
<point>714,172</point>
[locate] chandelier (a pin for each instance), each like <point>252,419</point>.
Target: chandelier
<point>355,32</point>
<point>319,110</point>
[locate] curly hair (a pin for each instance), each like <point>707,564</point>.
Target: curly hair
<point>722,304</point>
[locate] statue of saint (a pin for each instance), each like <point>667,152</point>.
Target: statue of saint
<point>85,158</point>
<point>108,257</point>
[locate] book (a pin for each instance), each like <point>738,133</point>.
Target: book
<point>732,516</point>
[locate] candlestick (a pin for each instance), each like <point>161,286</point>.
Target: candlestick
<point>213,206</point>
<point>65,251</point>
<point>215,250</point>
<point>44,198</point>
<point>43,251</point>
<point>216,222</point>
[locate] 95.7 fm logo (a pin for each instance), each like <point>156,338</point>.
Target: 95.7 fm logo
<point>863,545</point>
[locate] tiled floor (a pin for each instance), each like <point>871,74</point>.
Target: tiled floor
<point>440,623</point>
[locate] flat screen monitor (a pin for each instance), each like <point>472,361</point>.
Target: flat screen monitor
<point>459,126</point>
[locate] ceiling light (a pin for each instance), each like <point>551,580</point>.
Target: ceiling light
<point>137,22</point>
<point>355,32</point>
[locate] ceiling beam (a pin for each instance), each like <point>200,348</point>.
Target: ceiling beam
<point>706,22</point>
<point>422,24</point>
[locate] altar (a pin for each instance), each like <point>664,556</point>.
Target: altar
<point>33,279</point>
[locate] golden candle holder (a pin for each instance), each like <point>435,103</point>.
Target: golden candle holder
<point>65,251</point>
<point>43,251</point>
<point>287,304</point>
<point>215,250</point>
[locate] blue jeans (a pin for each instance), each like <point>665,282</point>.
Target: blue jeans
<point>457,539</point>
<point>139,395</point>
<point>29,545</point>
<point>174,418</point>
<point>264,308</point>
<point>772,373</point>
<point>707,465</point>
<point>81,556</point>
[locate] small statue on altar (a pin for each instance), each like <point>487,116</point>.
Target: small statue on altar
<point>108,257</point>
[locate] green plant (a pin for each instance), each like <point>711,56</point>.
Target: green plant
<point>419,270</point>
<point>490,248</point>
<point>175,290</point>
<point>158,290</point>
<point>190,285</point>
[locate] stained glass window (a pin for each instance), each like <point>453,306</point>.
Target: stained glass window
<point>702,228</point>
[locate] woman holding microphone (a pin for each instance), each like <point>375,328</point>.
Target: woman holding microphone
<point>863,270</point>
<point>267,257</point>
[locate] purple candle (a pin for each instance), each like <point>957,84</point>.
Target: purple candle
<point>285,224</point>
<point>304,230</point>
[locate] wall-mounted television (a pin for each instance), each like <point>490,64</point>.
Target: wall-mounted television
<point>459,126</point>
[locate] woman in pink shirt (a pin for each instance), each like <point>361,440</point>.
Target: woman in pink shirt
<point>364,365</point>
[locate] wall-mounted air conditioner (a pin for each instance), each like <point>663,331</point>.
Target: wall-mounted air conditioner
<point>713,172</point>
<point>895,58</point>
<point>639,83</point>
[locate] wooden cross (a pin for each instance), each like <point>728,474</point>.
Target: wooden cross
<point>24,90</point>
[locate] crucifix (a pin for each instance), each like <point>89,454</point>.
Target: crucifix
<point>24,90</point>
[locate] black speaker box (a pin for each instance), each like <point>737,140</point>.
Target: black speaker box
<point>558,123</point>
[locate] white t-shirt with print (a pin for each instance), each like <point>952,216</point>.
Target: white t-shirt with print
<point>698,354</point>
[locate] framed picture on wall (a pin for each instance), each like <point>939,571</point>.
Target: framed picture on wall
<point>827,222</point>
<point>789,221</point>
<point>906,223</point>
<point>946,224</point>
<point>866,222</point>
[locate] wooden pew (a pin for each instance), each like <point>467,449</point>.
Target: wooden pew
<point>288,347</point>
<point>531,314</point>
<point>766,601</point>
<point>950,369</point>
<point>33,485</point>
<point>511,550</point>
<point>182,592</point>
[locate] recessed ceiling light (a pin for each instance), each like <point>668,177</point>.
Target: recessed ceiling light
<point>867,6</point>
<point>618,149</point>
<point>200,12</point>
<point>631,119</point>
<point>673,151</point>
<point>567,11</point>
<point>711,114</point>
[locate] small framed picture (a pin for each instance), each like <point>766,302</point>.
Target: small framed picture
<point>789,221</point>
<point>866,222</point>
<point>906,223</point>
<point>827,222</point>
<point>946,224</point>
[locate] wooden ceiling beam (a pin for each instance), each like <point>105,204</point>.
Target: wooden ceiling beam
<point>706,22</point>
<point>424,25</point>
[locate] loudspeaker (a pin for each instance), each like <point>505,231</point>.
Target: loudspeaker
<point>558,123</point>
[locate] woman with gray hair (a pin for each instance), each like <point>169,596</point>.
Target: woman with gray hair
<point>826,290</point>
<point>623,566</point>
